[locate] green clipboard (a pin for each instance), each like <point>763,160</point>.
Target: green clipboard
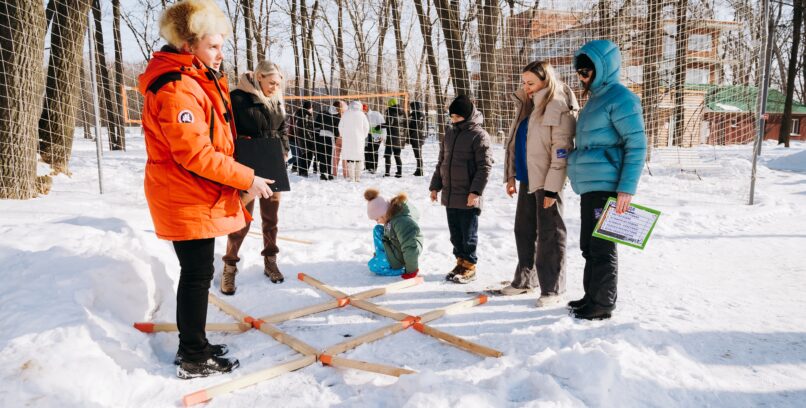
<point>632,228</point>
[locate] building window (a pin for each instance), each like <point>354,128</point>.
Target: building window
<point>795,131</point>
<point>699,42</point>
<point>698,76</point>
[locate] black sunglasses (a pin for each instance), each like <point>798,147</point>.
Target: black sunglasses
<point>584,72</point>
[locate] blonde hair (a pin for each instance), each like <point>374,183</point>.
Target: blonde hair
<point>188,21</point>
<point>263,69</point>
<point>545,72</point>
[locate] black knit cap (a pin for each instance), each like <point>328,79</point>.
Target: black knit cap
<point>306,105</point>
<point>461,106</point>
<point>583,61</point>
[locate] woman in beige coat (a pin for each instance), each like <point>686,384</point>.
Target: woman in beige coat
<point>540,139</point>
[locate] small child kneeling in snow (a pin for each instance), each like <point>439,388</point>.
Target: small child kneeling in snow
<point>397,237</point>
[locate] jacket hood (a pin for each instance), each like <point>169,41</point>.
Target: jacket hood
<point>246,83</point>
<point>399,207</point>
<point>606,59</point>
<point>476,119</point>
<point>166,60</point>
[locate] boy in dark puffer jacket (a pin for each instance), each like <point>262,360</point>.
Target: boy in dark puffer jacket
<point>397,237</point>
<point>462,171</point>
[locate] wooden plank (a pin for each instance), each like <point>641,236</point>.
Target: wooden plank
<point>247,380</point>
<point>148,327</point>
<point>365,366</point>
<point>305,311</point>
<point>437,313</point>
<point>378,309</point>
<point>458,341</point>
<point>285,338</point>
<point>333,292</point>
<point>282,238</point>
<point>374,335</point>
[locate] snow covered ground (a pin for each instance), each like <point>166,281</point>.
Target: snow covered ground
<point>711,313</point>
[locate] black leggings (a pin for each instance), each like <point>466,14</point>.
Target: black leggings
<point>388,151</point>
<point>196,262</point>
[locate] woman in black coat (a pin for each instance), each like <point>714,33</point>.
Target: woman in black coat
<point>257,105</point>
<point>395,137</point>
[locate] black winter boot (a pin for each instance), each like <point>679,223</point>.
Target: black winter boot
<point>213,365</point>
<point>592,311</point>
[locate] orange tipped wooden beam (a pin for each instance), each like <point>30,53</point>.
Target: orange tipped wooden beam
<point>363,365</point>
<point>457,341</point>
<point>285,338</point>
<point>321,286</point>
<point>333,304</point>
<point>247,380</point>
<point>148,327</point>
<point>437,313</point>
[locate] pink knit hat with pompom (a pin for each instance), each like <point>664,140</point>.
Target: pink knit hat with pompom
<point>376,204</point>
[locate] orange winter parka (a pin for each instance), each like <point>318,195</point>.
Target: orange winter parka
<point>192,182</point>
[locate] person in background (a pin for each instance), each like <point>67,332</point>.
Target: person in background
<point>395,132</point>
<point>304,131</point>
<point>416,130</point>
<point>353,129</point>
<point>540,139</point>
<point>376,137</point>
<point>462,171</point>
<point>607,162</point>
<point>259,111</point>
<point>342,107</point>
<point>397,238</point>
<point>327,125</point>
<point>192,182</point>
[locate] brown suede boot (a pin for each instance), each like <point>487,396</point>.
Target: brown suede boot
<point>456,269</point>
<point>228,279</point>
<point>270,269</point>
<point>468,273</point>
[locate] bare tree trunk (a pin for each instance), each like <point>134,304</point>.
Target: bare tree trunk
<point>681,56</point>
<point>653,55</point>
<point>605,21</point>
<point>425,28</point>
<point>786,122</point>
<point>248,24</point>
<point>357,18</point>
<point>295,46</point>
<point>57,122</point>
<point>306,54</point>
<point>311,48</point>
<point>111,118</point>
<point>384,22</point>
<point>49,10</point>
<point>489,10</point>
<point>340,48</point>
<point>118,84</point>
<point>22,44</point>
<point>448,12</point>
<point>402,77</point>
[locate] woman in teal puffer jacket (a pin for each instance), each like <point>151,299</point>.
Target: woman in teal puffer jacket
<point>607,162</point>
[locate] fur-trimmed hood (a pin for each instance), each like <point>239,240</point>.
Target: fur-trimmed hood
<point>399,207</point>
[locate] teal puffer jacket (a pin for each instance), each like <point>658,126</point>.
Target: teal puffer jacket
<point>610,140</point>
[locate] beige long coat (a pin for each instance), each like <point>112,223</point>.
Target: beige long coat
<point>549,140</point>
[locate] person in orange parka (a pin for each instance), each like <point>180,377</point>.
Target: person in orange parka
<point>192,182</point>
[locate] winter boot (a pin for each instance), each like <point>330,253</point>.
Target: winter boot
<point>468,273</point>
<point>270,269</point>
<point>216,350</point>
<point>213,365</point>
<point>228,279</point>
<point>592,311</point>
<point>418,172</point>
<point>548,300</point>
<point>456,269</point>
<point>579,303</point>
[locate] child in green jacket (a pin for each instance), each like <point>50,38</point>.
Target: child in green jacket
<point>397,237</point>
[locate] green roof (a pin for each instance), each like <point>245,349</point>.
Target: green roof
<point>738,98</point>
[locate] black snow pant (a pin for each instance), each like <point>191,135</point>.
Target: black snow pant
<point>463,225</point>
<point>324,153</point>
<point>305,155</point>
<point>388,152</point>
<point>540,237</point>
<point>371,154</point>
<point>418,155</point>
<point>601,258</point>
<point>196,263</point>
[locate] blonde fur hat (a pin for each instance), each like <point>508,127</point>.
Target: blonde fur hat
<point>376,204</point>
<point>188,21</point>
